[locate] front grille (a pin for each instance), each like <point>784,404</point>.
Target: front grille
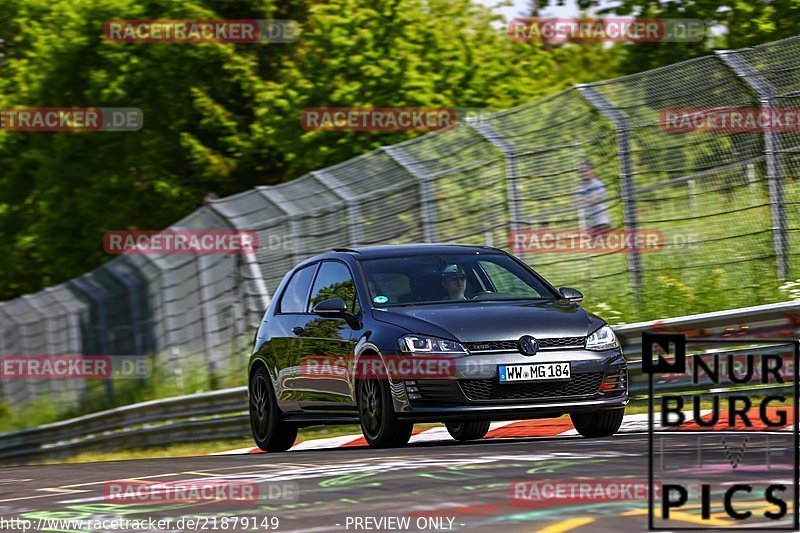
<point>491,346</point>
<point>481,390</point>
<point>562,342</point>
<point>554,343</point>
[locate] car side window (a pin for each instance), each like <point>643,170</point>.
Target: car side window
<point>334,281</point>
<point>294,297</point>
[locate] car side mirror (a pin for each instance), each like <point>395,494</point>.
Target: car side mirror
<point>331,308</point>
<point>571,294</point>
<point>335,308</point>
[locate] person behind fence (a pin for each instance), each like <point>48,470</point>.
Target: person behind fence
<point>454,280</point>
<point>590,198</point>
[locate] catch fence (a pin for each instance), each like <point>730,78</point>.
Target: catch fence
<point>726,205</point>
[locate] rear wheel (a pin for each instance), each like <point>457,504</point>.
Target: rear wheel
<point>270,432</point>
<point>600,424</point>
<point>468,430</point>
<point>379,424</point>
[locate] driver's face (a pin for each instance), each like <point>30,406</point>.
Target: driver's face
<point>456,285</point>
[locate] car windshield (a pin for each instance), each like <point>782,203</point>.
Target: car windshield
<point>442,278</point>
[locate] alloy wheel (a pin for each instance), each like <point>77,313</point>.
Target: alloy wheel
<point>371,407</point>
<point>259,407</point>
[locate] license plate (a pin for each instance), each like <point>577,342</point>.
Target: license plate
<point>540,372</point>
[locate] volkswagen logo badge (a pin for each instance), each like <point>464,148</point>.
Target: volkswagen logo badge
<point>528,345</point>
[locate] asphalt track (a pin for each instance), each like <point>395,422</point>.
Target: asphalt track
<point>437,486</point>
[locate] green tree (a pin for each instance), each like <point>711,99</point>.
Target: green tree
<point>729,24</point>
<point>221,118</point>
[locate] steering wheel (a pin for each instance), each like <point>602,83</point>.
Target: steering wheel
<point>478,294</point>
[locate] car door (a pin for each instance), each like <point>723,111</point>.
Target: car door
<point>327,344</point>
<point>284,343</point>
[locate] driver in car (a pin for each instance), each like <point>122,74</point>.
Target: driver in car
<point>454,280</point>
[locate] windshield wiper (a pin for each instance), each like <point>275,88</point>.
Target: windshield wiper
<point>470,300</point>
<point>514,298</point>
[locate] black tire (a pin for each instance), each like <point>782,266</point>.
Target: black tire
<point>379,424</point>
<point>270,432</point>
<point>468,430</point>
<point>599,424</point>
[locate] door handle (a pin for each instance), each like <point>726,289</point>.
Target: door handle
<point>298,330</point>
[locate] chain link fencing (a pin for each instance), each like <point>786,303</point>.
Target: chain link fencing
<point>726,204</point>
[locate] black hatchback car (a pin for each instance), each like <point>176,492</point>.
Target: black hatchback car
<point>387,336</point>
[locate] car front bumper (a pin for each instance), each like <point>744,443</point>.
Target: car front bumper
<point>511,412</point>
<point>475,393</point>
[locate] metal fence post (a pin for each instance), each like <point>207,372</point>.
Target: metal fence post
<point>276,197</point>
<point>163,342</point>
<point>772,157</point>
<point>426,198</point>
<point>205,299</point>
<point>627,189</point>
<point>247,263</point>
<point>250,265</point>
<point>134,305</point>
<point>51,347</point>
<point>333,184</point>
<point>512,174</point>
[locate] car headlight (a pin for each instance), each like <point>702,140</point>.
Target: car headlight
<point>417,344</point>
<point>602,339</point>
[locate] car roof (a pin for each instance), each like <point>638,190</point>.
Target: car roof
<point>403,250</point>
<point>398,250</point>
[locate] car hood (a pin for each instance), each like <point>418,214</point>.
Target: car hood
<point>493,321</point>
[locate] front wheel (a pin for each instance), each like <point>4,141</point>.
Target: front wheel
<point>379,424</point>
<point>270,432</point>
<point>599,424</point>
<point>468,430</point>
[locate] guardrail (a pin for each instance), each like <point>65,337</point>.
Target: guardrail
<point>223,414</point>
<point>781,320</point>
<point>761,321</point>
<point>204,416</point>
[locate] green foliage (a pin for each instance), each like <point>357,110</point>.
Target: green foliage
<point>42,410</point>
<point>222,118</point>
<point>729,24</point>
<point>98,395</point>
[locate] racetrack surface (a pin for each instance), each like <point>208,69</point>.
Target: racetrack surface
<point>465,486</point>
